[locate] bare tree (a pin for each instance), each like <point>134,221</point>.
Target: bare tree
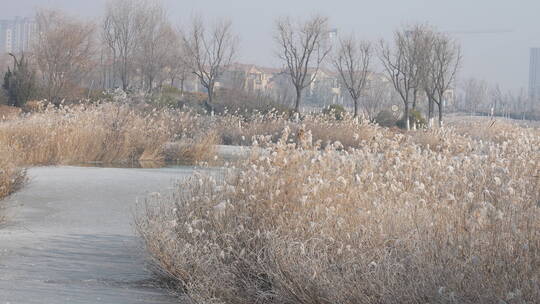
<point>176,68</point>
<point>301,47</point>
<point>440,67</point>
<point>124,21</point>
<point>497,99</point>
<point>207,53</point>
<point>378,95</point>
<point>402,65</point>
<point>352,61</point>
<point>156,43</point>
<point>520,102</point>
<point>64,52</point>
<point>421,37</point>
<point>475,95</point>
<point>428,80</point>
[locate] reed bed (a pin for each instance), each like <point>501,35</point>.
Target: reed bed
<point>238,130</point>
<point>424,217</point>
<point>108,133</point>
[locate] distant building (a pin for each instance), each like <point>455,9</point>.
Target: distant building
<point>325,88</point>
<point>247,77</point>
<point>16,35</point>
<point>534,74</point>
<point>274,83</point>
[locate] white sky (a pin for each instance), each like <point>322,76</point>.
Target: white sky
<point>498,58</point>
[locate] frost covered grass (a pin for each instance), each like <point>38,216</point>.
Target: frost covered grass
<point>424,217</point>
<point>239,130</point>
<point>107,133</point>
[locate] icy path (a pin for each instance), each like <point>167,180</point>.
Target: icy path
<point>70,237</point>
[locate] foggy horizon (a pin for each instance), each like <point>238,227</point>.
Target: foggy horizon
<point>498,58</point>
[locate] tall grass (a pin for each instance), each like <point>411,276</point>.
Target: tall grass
<point>401,218</point>
<point>105,133</point>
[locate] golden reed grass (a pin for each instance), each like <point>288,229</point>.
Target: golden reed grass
<point>104,133</point>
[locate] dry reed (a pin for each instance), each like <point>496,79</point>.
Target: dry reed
<point>237,130</point>
<point>105,133</point>
<point>399,219</point>
<point>12,177</point>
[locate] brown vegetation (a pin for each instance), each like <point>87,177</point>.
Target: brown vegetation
<point>7,112</point>
<point>12,176</point>
<point>105,133</point>
<point>403,218</point>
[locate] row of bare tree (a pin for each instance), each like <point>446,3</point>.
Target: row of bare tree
<point>421,61</point>
<point>477,97</point>
<point>137,46</point>
<point>143,43</point>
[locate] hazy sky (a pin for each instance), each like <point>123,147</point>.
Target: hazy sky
<point>498,58</point>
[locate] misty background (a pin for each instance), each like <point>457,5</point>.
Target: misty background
<point>501,57</point>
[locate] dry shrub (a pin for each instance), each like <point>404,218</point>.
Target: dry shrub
<point>12,176</point>
<point>34,106</point>
<point>388,222</point>
<point>193,150</point>
<point>9,113</point>
<point>104,132</point>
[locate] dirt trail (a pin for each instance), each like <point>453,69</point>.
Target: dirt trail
<point>70,237</point>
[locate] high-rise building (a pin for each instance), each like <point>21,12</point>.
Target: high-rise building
<point>534,74</point>
<point>16,35</point>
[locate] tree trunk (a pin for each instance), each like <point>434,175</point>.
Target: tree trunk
<point>112,82</point>
<point>440,105</point>
<point>124,77</point>
<point>209,102</point>
<point>355,107</point>
<point>431,108</point>
<point>415,94</point>
<point>182,86</point>
<point>297,101</point>
<point>124,84</point>
<point>150,84</point>
<point>125,73</point>
<point>407,120</point>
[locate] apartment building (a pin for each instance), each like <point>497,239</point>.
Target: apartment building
<point>17,34</point>
<point>534,74</point>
